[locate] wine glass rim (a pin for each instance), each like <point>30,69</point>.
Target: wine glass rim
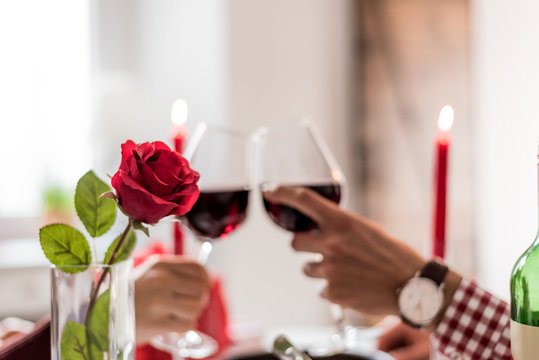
<point>305,121</point>
<point>202,128</point>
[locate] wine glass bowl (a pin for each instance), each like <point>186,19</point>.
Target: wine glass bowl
<point>218,212</point>
<point>291,219</point>
<point>295,154</point>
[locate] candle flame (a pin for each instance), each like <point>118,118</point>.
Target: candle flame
<point>179,112</point>
<point>445,121</point>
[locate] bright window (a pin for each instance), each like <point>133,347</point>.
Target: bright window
<point>44,100</point>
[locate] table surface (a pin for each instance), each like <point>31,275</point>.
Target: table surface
<point>251,338</point>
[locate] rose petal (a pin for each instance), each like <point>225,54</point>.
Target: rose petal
<point>127,152</point>
<point>145,151</point>
<point>186,204</point>
<point>152,153</point>
<point>186,189</point>
<point>159,145</point>
<point>133,169</point>
<point>177,196</point>
<point>152,183</point>
<point>166,169</point>
<point>138,203</point>
<point>188,179</point>
<point>185,171</point>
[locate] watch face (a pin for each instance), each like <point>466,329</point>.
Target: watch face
<point>420,300</point>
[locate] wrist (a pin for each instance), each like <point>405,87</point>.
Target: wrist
<point>423,298</point>
<point>452,282</point>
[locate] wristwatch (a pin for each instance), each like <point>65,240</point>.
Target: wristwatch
<point>421,298</point>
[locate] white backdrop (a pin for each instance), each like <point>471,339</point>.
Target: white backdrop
<point>506,122</point>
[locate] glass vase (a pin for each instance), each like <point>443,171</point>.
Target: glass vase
<point>93,312</point>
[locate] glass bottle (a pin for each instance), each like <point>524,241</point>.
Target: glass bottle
<point>525,304</point>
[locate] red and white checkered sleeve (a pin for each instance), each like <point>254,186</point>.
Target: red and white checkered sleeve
<point>475,326</point>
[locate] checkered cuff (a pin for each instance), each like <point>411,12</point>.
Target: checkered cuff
<point>474,326</point>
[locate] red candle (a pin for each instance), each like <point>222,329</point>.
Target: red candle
<point>179,134</point>
<point>443,141</point>
<point>178,115</point>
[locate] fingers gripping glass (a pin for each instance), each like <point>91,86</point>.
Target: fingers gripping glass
<point>221,157</point>
<point>295,154</point>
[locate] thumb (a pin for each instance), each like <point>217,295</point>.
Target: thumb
<point>307,201</point>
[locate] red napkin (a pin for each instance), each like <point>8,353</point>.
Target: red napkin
<point>155,248</point>
<point>214,319</point>
<point>147,352</point>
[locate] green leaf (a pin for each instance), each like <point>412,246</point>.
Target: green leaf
<point>65,246</point>
<point>96,354</point>
<point>124,251</point>
<point>98,322</point>
<point>96,213</point>
<point>137,225</point>
<point>74,344</point>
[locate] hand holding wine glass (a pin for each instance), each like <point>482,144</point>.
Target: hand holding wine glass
<point>362,264</point>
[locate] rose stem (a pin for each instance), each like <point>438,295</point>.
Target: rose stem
<point>95,291</point>
<point>95,252</point>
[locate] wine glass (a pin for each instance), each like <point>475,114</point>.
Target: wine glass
<point>220,156</point>
<point>295,154</point>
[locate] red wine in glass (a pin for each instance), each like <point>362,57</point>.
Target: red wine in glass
<point>218,212</point>
<point>293,220</point>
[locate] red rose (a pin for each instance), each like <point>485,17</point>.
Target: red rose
<point>154,181</point>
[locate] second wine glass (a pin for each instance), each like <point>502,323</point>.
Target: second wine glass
<point>221,157</point>
<point>295,154</point>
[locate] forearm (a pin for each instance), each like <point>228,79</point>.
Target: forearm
<point>475,325</point>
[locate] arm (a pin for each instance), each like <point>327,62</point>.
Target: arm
<point>475,324</point>
<point>363,265</point>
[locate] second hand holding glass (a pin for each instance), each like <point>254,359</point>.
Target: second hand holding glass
<point>220,156</point>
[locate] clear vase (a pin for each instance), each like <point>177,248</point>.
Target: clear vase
<point>104,330</point>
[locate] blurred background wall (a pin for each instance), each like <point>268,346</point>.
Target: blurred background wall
<point>506,129</point>
<point>94,74</point>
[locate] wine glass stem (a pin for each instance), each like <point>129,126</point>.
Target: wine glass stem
<point>205,250</point>
<point>338,315</point>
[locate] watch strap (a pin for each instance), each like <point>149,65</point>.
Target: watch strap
<point>405,320</point>
<point>435,271</point>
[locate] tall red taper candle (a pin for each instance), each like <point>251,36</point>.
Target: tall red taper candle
<point>179,134</point>
<point>443,141</point>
